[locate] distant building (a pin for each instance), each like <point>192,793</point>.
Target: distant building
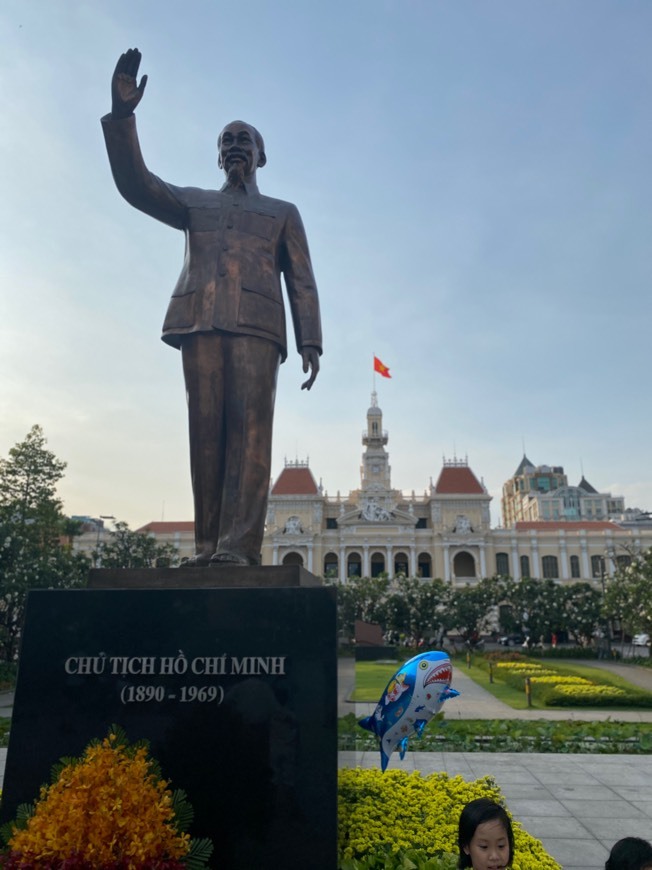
<point>543,493</point>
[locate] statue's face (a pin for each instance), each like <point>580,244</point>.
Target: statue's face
<point>237,144</point>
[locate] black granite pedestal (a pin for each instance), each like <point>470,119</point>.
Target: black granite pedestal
<point>234,687</point>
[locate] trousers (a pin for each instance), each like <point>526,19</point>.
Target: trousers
<point>230,388</point>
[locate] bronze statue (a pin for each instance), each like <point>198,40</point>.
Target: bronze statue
<point>226,316</point>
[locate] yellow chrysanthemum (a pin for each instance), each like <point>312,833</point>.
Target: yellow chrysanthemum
<point>399,811</point>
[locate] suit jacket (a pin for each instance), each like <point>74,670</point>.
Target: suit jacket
<point>236,249</point>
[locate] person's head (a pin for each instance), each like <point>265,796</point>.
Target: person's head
<point>485,836</point>
<point>630,853</point>
<point>240,150</point>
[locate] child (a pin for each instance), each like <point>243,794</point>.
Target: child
<point>485,836</point>
<point>630,853</point>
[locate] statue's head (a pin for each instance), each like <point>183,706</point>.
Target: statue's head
<point>240,150</point>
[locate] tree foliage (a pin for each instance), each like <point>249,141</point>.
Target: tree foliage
<point>128,549</point>
<point>419,609</point>
<point>33,534</point>
<point>628,595</point>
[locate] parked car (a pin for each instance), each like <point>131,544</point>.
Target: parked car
<point>641,640</point>
<point>511,640</point>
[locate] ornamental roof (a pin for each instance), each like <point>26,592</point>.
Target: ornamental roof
<point>458,479</point>
<point>586,486</point>
<point>525,463</point>
<point>167,527</point>
<point>295,480</point>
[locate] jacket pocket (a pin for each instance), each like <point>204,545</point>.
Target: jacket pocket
<point>261,311</point>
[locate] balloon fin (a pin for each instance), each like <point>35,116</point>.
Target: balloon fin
<point>419,725</point>
<point>384,759</point>
<point>368,722</point>
<point>402,747</point>
<point>448,693</point>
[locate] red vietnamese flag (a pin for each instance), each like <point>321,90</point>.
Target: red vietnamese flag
<point>380,368</point>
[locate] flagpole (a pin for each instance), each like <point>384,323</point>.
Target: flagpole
<point>373,374</point>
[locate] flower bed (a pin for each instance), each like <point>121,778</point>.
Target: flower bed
<point>555,689</point>
<point>386,820</point>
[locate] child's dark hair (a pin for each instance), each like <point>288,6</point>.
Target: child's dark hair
<point>475,813</point>
<point>630,853</point>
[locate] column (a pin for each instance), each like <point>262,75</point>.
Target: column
<point>516,562</point>
<point>366,572</point>
<point>584,555</point>
<point>310,555</point>
<point>483,561</point>
<point>413,561</point>
<point>275,555</point>
<point>563,555</point>
<point>447,564</point>
<point>342,563</point>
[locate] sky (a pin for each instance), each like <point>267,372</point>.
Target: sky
<point>474,179</point>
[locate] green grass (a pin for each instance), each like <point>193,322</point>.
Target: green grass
<point>371,678</point>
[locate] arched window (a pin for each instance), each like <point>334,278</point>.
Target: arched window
<point>377,564</point>
<point>575,566</point>
<point>502,564</point>
<point>330,565</point>
<point>464,565</point>
<point>293,559</point>
<point>550,567</point>
<point>424,565</point>
<point>525,566</point>
<point>401,564</point>
<point>354,565</point>
<point>597,566</point>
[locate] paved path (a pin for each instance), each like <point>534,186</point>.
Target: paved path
<point>577,805</point>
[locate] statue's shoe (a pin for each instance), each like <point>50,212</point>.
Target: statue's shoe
<point>221,558</point>
<point>199,560</point>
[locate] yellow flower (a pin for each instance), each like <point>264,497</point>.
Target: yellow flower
<point>106,807</point>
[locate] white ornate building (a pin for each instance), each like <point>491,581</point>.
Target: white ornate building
<point>445,532</point>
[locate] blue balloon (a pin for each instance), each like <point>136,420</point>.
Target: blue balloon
<point>411,698</point>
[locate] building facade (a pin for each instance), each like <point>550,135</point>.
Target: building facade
<point>550,529</point>
<point>446,532</point>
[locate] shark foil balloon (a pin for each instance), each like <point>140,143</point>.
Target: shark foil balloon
<point>410,700</point>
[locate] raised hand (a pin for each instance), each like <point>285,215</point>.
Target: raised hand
<point>126,93</point>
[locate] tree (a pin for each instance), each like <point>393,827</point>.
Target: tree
<point>360,598</point>
<point>127,549</point>
<point>582,610</point>
<point>537,606</point>
<point>470,607</point>
<point>628,595</point>
<point>32,524</point>
<point>416,608</point>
